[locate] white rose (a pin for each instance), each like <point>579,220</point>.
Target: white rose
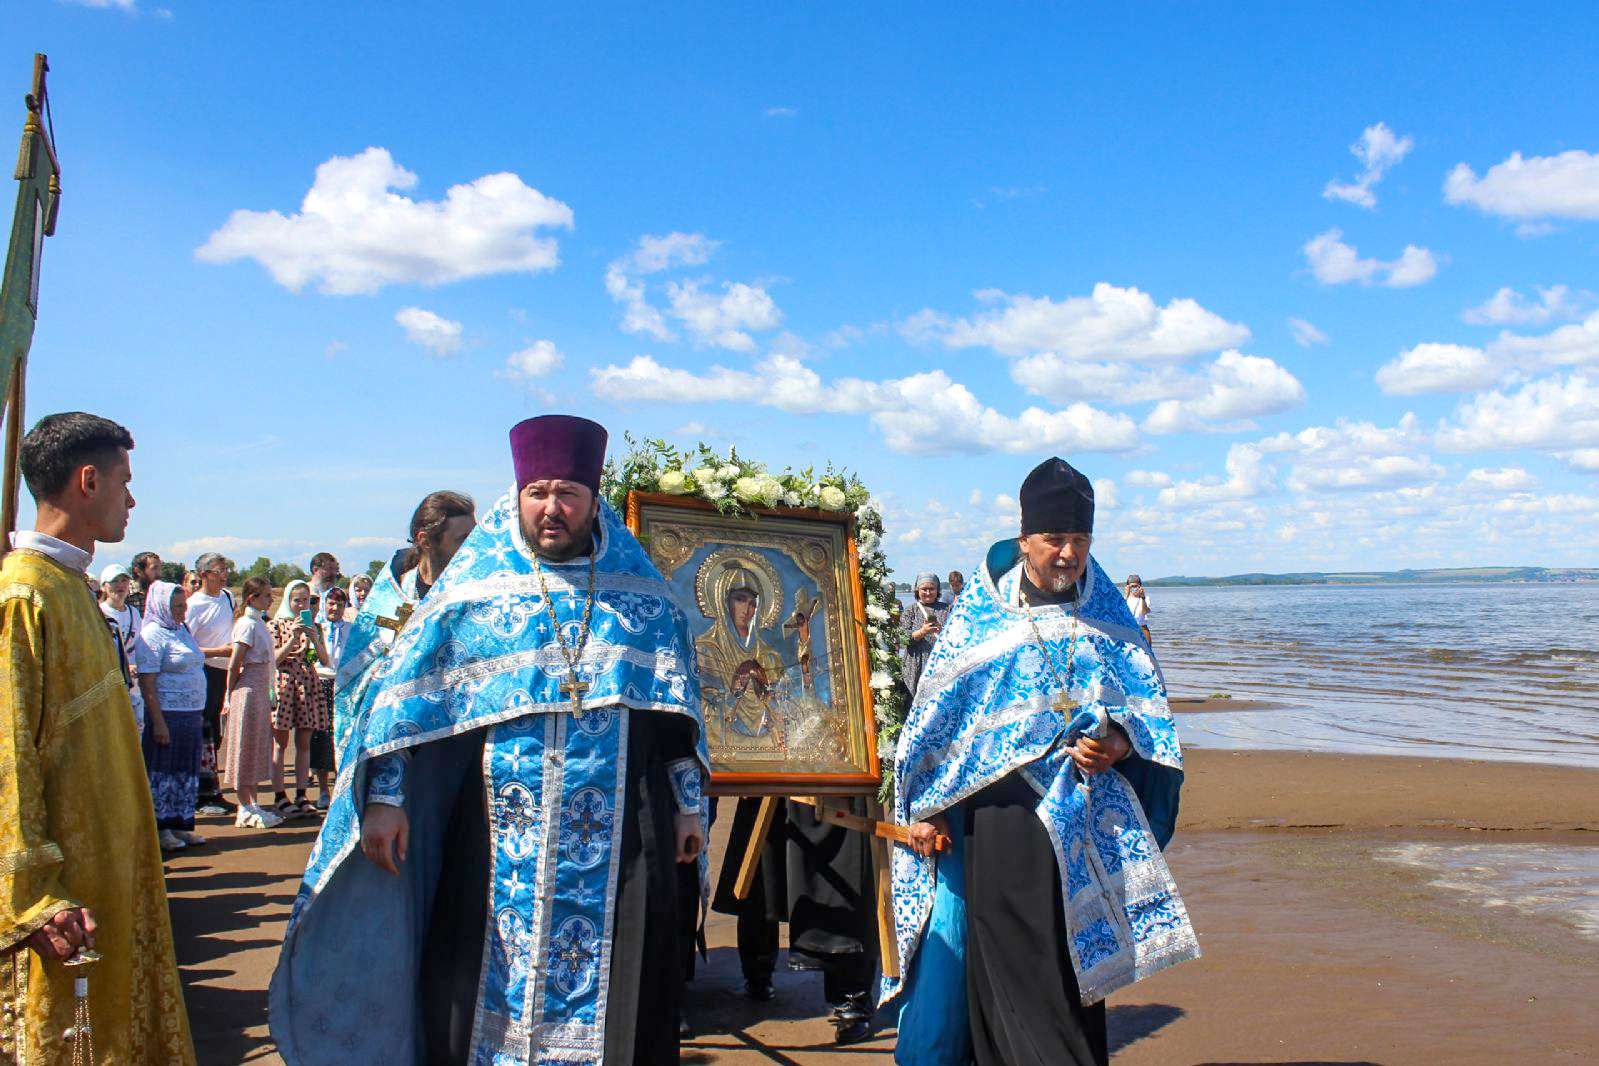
<point>881,681</point>
<point>761,490</point>
<point>704,475</point>
<point>728,472</point>
<point>715,490</point>
<point>831,498</point>
<point>675,482</point>
<point>792,499</point>
<point>876,613</point>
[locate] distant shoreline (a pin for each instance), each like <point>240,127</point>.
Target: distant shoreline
<point>1508,575</point>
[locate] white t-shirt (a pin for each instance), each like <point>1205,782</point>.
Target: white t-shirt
<point>210,620</point>
<point>1139,605</point>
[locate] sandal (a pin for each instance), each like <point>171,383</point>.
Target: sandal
<point>285,808</point>
<point>303,804</point>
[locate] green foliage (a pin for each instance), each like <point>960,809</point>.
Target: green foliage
<point>172,572</point>
<point>278,574</point>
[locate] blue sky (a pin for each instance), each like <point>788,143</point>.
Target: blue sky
<point>1301,288</point>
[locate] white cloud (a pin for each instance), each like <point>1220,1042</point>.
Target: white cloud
<point>1564,186</point>
<point>781,112</point>
<point>1237,387</point>
<point>1583,459</point>
<point>1554,413</point>
<point>923,414</point>
<point>1502,479</point>
<point>1378,150</point>
<point>1148,479</point>
<point>121,5</point>
<point>334,349</point>
<point>1507,307</point>
<point>1305,334</point>
<point>434,332</point>
<point>1110,324</point>
<point>1573,345</point>
<point>1344,457</point>
<point>723,320</point>
<point>1335,263</point>
<point>535,361</point>
<point>239,549</point>
<point>1436,368</point>
<point>1248,475</point>
<point>1355,455</point>
<point>355,234</point>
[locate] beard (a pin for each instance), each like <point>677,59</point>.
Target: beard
<point>577,541</point>
<point>1059,581</point>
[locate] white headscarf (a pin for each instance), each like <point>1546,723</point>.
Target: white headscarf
<point>284,611</point>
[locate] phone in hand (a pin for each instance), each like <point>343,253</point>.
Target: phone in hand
<point>307,618</point>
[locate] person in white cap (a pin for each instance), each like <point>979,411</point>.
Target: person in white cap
<point>115,584</point>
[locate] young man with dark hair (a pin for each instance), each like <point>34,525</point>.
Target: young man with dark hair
<point>146,572</point>
<point>79,864</point>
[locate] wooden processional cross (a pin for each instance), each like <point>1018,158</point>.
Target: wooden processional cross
<point>38,177</point>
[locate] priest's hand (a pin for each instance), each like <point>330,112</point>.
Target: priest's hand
<point>385,835</point>
<point>62,936</point>
<point>924,835</point>
<point>1096,756</point>
<point>690,837</point>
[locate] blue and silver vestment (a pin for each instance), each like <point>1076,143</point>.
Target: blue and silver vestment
<point>989,705</point>
<point>480,654</point>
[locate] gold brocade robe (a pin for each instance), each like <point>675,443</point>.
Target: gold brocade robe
<point>77,829</point>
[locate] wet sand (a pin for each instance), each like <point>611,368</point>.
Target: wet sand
<point>1314,951</point>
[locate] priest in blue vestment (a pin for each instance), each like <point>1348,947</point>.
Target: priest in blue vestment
<point>1041,744</point>
<point>438,526</point>
<point>496,879</point>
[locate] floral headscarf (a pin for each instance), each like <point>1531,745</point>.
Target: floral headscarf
<point>158,605</point>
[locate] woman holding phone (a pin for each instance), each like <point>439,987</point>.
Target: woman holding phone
<point>298,648</point>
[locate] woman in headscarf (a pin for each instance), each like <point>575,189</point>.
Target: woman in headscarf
<point>299,711</point>
<point>172,677</point>
<point>920,624</point>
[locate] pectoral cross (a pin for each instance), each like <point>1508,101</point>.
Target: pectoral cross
<point>402,615</point>
<point>1063,702</point>
<point>573,689</point>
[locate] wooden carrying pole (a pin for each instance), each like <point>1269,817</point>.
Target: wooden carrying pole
<point>874,827</point>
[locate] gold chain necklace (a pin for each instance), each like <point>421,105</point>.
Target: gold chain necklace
<point>1062,701</point>
<point>573,687</point>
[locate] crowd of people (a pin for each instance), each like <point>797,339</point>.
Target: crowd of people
<point>481,724</point>
<point>230,684</point>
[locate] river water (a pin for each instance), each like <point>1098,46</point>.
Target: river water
<point>1469,671</point>
<point>1494,671</point>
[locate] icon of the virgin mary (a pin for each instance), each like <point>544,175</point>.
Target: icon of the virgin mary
<point>740,671</point>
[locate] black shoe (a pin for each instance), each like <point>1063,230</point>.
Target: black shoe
<point>852,1032</point>
<point>684,1029</point>
<point>760,990</point>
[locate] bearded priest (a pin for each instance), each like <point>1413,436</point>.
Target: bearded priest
<point>1040,742</point>
<point>495,881</point>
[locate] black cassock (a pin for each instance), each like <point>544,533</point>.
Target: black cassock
<point>1021,991</point>
<point>816,877</point>
<point>646,977</point>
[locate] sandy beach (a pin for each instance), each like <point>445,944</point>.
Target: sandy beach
<point>1320,945</point>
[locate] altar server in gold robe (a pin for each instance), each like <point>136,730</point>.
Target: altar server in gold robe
<point>79,865</point>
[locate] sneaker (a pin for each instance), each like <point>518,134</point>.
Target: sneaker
<point>213,809</point>
<point>256,818</point>
<point>192,839</point>
<point>170,841</point>
<point>322,802</point>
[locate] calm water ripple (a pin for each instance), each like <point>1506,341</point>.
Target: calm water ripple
<point>1470,671</point>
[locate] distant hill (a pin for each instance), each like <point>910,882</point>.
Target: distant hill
<point>1474,574</point>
